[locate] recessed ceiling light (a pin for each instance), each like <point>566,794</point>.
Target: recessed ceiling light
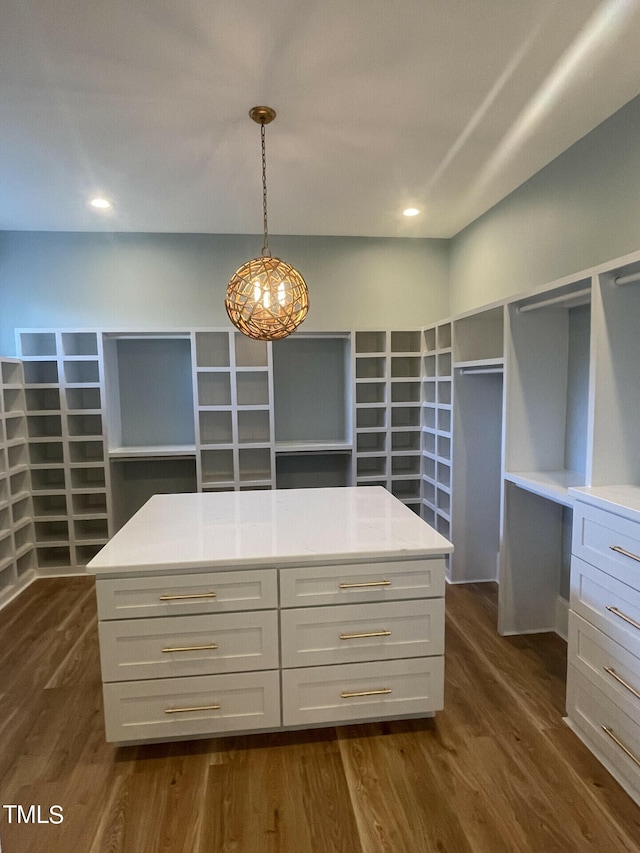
<point>100,203</point>
<point>410,211</point>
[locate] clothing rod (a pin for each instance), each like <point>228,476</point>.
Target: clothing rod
<point>566,297</point>
<point>626,279</point>
<point>474,371</point>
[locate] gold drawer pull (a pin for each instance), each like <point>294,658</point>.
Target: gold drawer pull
<point>352,695</point>
<point>621,680</point>
<point>204,648</point>
<point>192,596</point>
<point>619,743</point>
<point>365,634</point>
<point>364,584</point>
<point>622,551</point>
<point>194,708</point>
<point>622,615</point>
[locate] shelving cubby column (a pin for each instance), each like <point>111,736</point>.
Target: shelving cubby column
<point>436,425</point>
<point>17,554</point>
<point>253,426</point>
<point>216,463</point>
<point>85,446</point>
<point>64,392</point>
<point>387,412</point>
<point>39,351</point>
<point>371,408</point>
<point>234,412</point>
<point>405,402</point>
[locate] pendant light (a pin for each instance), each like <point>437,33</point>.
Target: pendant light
<point>267,299</point>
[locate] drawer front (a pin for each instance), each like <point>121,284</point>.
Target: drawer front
<point>362,632</point>
<point>169,595</point>
<point>607,603</point>
<point>612,735</point>
<point>613,670</point>
<point>609,542</point>
<point>362,691</point>
<point>346,584</point>
<point>188,645</point>
<point>180,708</point>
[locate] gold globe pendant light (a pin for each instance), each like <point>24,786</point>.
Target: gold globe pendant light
<point>267,298</point>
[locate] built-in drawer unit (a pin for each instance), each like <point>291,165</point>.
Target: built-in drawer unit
<point>603,676</point>
<point>609,604</point>
<point>361,691</point>
<point>307,586</point>
<point>610,727</point>
<point>610,666</point>
<point>180,708</point>
<point>188,645</point>
<point>203,654</point>
<point>362,632</point>
<point>173,595</point>
<point>608,541</point>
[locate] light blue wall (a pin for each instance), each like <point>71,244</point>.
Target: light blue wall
<point>163,281</point>
<point>581,210</point>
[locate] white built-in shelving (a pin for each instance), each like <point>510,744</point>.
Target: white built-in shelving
<point>548,443</point>
<point>312,387</point>
<point>436,425</point>
<point>64,407</point>
<point>478,364</point>
<point>387,372</point>
<point>234,412</point>
<point>482,423</point>
<point>17,549</point>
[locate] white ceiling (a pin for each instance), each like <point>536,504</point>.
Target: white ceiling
<point>447,105</point>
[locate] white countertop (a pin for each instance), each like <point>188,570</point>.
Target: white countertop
<point>267,527</point>
<point>622,500</point>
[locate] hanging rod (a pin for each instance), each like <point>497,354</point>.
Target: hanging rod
<point>476,371</point>
<point>566,297</point>
<point>626,279</point>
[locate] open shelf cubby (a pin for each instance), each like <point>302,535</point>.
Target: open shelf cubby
<point>149,391</point>
<point>548,392</point>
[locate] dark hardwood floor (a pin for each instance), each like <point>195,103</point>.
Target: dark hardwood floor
<point>496,771</point>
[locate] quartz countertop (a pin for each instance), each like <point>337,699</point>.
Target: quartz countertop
<point>267,528</point>
<point>621,500</point>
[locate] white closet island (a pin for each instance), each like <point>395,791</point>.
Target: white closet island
<point>230,612</point>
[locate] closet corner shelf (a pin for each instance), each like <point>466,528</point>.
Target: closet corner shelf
<point>553,485</point>
<point>152,451</point>
<point>479,364</point>
<point>313,446</point>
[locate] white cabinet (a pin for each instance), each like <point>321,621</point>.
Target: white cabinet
<point>603,678</point>
<point>177,666</point>
<point>364,691</point>
<point>190,649</point>
<point>350,661</point>
<point>158,665</point>
<point>184,708</point>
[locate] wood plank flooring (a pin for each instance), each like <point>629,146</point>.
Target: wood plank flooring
<point>496,772</point>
